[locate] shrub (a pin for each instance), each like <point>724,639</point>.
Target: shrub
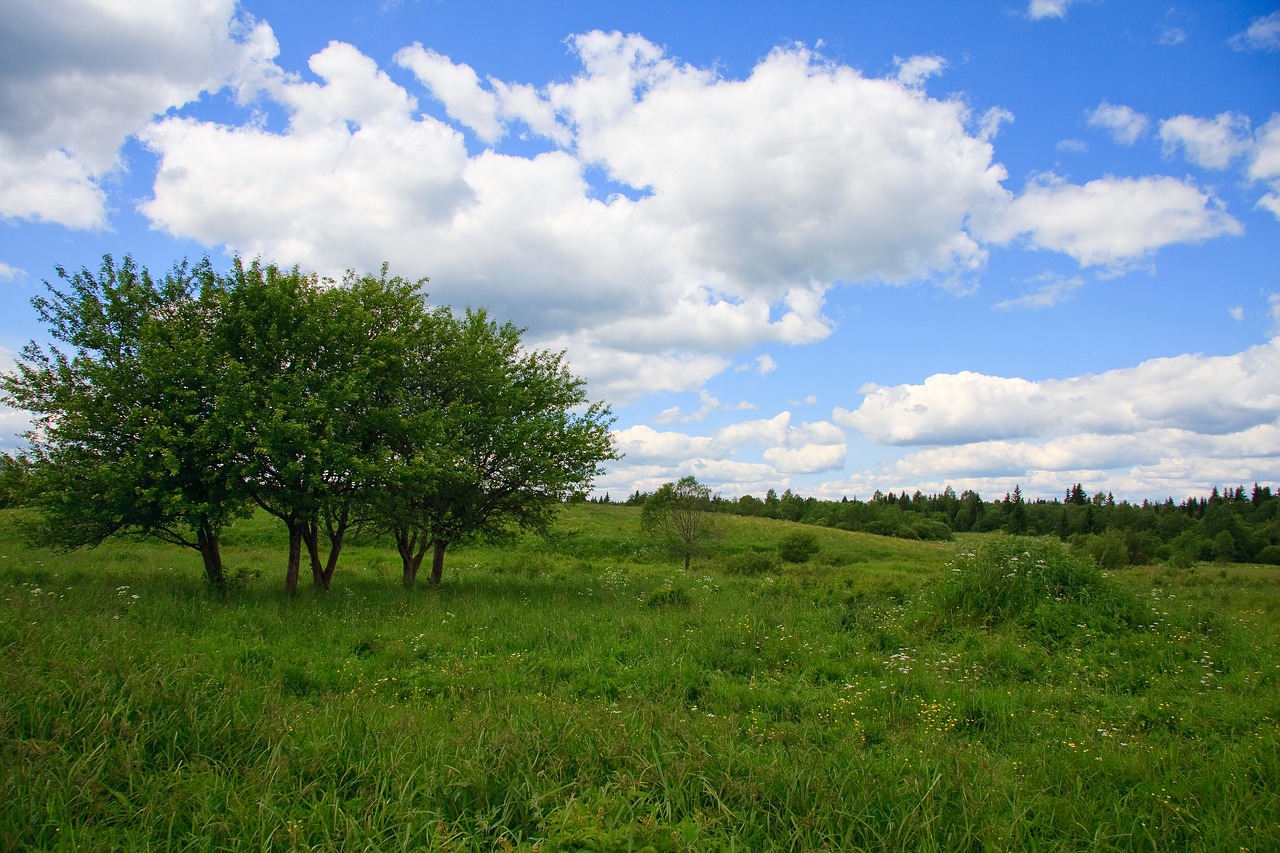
<point>668,597</point>
<point>753,563</point>
<point>1030,582</point>
<point>1109,550</point>
<point>933,531</point>
<point>1270,555</point>
<point>798,546</point>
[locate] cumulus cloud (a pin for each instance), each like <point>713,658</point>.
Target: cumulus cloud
<point>79,79</point>
<point>1263,34</point>
<point>1124,123</point>
<point>787,449</point>
<point>1211,143</point>
<point>1171,426</point>
<point>1215,395</point>
<point>458,87</point>
<point>732,234</point>
<point>1113,222</point>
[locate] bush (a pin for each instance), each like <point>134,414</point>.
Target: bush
<point>1030,582</point>
<point>1109,550</point>
<point>798,546</point>
<point>1270,555</point>
<point>933,531</point>
<point>668,597</point>
<point>753,563</point>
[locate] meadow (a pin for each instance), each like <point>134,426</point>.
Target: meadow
<point>586,693</point>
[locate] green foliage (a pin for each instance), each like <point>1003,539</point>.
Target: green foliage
<point>129,437</point>
<point>1028,581</point>
<point>497,438</point>
<point>333,406</point>
<point>669,596</point>
<point>798,546</point>
<point>680,514</point>
<point>753,563</point>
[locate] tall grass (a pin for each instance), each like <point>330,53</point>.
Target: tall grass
<point>587,694</point>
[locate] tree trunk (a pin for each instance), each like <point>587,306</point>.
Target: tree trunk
<point>411,553</point>
<point>437,563</point>
<point>336,532</point>
<point>321,575</point>
<point>688,557</point>
<point>211,554</point>
<point>295,558</point>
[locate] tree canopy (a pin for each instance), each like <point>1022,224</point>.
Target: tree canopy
<point>680,513</point>
<point>180,403</point>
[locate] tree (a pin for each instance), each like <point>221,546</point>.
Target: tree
<point>497,437</point>
<point>129,437</point>
<point>320,369</point>
<point>680,513</point>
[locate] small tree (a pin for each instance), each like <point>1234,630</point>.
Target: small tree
<point>681,514</point>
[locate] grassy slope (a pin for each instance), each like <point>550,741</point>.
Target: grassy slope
<point>586,693</point>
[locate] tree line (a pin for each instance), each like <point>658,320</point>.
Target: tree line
<point>169,407</point>
<point>1232,524</point>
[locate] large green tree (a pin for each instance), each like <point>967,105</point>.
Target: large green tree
<point>128,436</point>
<point>498,437</point>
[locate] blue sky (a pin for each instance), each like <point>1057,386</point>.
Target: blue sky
<point>828,246</point>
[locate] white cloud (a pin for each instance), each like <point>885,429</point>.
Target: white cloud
<point>785,447</point>
<point>1212,144</point>
<point>458,88</point>
<point>1264,164</point>
<point>708,404</point>
<point>1112,222</point>
<point>1167,427</point>
<point>1124,123</point>
<point>80,78</point>
<point>765,364</point>
<point>914,70</point>
<point>1262,34</point>
<point>991,122</point>
<point>734,233</point>
<point>1039,9</point>
<point>1048,291</point>
<point>1215,395</point>
<point>10,273</point>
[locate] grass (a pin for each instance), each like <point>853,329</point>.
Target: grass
<point>587,694</point>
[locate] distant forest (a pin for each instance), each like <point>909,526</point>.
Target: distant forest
<point>1231,525</point>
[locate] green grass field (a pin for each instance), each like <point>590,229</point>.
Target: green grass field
<point>585,693</point>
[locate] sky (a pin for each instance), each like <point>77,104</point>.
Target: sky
<point>832,247</point>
